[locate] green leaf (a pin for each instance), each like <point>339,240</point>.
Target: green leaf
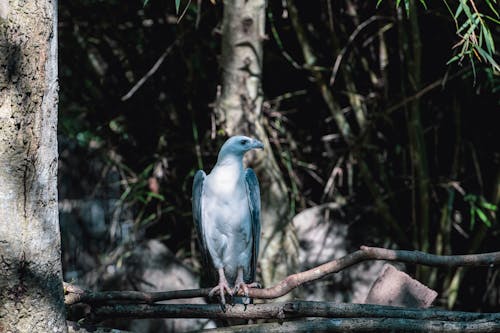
<point>494,20</point>
<point>473,68</point>
<point>423,4</point>
<point>488,58</point>
<point>378,3</point>
<point>472,216</point>
<point>483,217</point>
<point>485,204</point>
<point>492,7</point>
<point>470,197</point>
<point>490,45</point>
<point>459,10</point>
<point>146,171</point>
<point>467,10</point>
<point>455,58</point>
<point>177,5</point>
<point>144,3</point>
<point>156,195</point>
<point>407,7</point>
<point>472,23</point>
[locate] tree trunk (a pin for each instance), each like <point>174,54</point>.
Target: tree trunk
<point>238,111</point>
<point>31,294</point>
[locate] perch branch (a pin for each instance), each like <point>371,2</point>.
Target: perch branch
<point>295,280</point>
<point>75,295</point>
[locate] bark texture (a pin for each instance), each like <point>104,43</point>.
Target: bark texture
<point>239,104</point>
<point>238,111</point>
<point>31,295</point>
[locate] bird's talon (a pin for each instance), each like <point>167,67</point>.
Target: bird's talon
<point>255,285</point>
<point>222,287</point>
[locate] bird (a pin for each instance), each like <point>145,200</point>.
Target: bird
<point>226,214</point>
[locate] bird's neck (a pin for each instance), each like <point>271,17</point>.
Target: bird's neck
<point>228,173</point>
<point>230,161</point>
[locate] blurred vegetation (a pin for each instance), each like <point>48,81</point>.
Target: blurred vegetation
<point>366,105</point>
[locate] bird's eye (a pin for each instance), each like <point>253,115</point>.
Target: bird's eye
<point>244,142</point>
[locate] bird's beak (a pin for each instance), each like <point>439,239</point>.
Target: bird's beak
<point>256,144</point>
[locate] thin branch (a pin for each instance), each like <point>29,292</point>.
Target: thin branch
<point>351,39</point>
<point>153,69</point>
<point>438,83</point>
<point>295,280</point>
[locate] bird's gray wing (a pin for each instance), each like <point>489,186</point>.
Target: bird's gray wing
<point>197,204</point>
<point>253,195</point>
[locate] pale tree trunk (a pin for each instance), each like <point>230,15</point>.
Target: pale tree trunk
<point>238,111</point>
<point>31,294</point>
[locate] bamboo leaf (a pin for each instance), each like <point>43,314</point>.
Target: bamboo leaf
<point>464,26</point>
<point>472,216</point>
<point>488,39</point>
<point>455,58</point>
<point>378,3</point>
<point>474,23</point>
<point>470,197</point>
<point>482,216</point>
<point>467,10</point>
<point>177,5</point>
<point>473,68</point>
<point>492,19</point>
<point>459,10</point>
<point>485,204</point>
<point>156,195</point>
<point>488,58</point>
<point>492,7</point>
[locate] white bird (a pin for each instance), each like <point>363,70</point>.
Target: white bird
<point>226,213</point>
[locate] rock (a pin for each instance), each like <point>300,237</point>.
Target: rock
<point>323,236</point>
<point>160,270</point>
<point>397,288</point>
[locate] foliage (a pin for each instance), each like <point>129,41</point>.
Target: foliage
<point>481,208</point>
<point>476,38</point>
<point>392,89</point>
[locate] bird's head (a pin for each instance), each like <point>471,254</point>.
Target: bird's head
<point>238,145</point>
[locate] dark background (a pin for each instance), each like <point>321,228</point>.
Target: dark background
<point>126,167</point>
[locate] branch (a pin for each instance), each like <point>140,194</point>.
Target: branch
<point>151,71</point>
<point>74,294</point>
<point>284,310</point>
<point>353,36</point>
<point>343,317</point>
<point>294,280</point>
<point>365,325</point>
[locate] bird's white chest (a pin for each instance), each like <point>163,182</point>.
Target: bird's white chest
<point>226,181</point>
<point>226,198</point>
